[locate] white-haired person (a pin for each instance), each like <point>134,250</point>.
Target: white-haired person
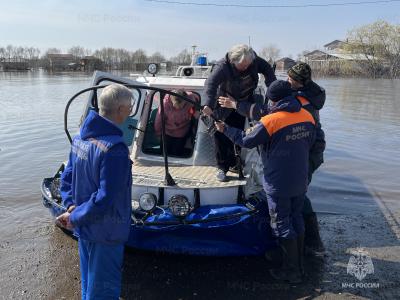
<point>234,77</point>
<point>96,190</point>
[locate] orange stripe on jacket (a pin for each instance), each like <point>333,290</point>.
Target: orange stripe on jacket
<point>302,100</point>
<point>99,144</point>
<point>281,119</point>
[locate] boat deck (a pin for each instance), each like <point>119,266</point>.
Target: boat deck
<point>148,173</point>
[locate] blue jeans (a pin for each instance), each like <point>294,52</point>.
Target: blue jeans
<point>286,216</point>
<point>101,270</point>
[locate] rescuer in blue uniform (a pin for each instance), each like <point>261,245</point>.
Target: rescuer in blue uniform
<point>96,189</point>
<point>285,135</point>
<point>312,98</point>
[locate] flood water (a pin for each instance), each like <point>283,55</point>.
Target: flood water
<point>361,120</point>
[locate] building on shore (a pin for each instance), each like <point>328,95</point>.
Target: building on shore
<point>335,46</point>
<point>334,59</point>
<point>91,63</point>
<point>14,64</point>
<point>284,64</point>
<point>61,62</point>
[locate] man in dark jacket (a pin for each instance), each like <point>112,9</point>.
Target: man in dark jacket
<point>96,189</point>
<point>286,135</point>
<point>312,97</point>
<point>235,77</point>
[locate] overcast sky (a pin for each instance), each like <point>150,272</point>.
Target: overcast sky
<point>169,28</point>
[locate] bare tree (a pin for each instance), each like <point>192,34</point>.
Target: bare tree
<point>33,53</point>
<point>379,44</point>
<point>77,51</point>
<point>52,51</point>
<point>270,53</point>
<point>2,53</point>
<point>139,56</point>
<point>9,51</point>
<point>301,56</point>
<point>156,57</point>
<point>183,58</point>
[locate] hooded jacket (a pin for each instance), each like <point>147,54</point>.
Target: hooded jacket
<point>286,136</point>
<point>225,80</point>
<point>313,92</point>
<point>98,180</point>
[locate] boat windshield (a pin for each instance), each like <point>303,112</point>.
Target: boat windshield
<point>180,122</point>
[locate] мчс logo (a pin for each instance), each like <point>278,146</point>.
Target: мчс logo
<point>360,264</point>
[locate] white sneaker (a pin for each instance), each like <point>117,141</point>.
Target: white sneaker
<point>221,175</point>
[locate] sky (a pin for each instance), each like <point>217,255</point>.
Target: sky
<point>170,28</point>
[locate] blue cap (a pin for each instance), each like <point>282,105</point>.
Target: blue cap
<point>278,90</point>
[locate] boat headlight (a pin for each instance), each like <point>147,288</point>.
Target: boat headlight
<point>147,201</point>
<point>179,205</point>
<point>152,68</point>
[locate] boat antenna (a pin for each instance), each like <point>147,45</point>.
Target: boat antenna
<point>193,63</point>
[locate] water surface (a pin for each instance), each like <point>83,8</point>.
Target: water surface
<point>361,120</point>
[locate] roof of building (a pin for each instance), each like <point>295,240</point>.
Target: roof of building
<point>315,52</point>
<point>334,44</point>
<point>285,59</point>
<point>351,56</point>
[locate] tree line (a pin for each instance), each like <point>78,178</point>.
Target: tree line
<point>112,58</point>
<point>375,48</point>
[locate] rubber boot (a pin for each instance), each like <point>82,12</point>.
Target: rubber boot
<point>300,249</point>
<point>289,270</point>
<point>274,256</point>
<point>312,240</point>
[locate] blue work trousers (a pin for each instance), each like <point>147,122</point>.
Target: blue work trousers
<point>101,270</point>
<point>286,216</point>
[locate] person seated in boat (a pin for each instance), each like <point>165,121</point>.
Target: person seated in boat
<point>178,116</point>
<point>286,135</point>
<point>234,77</point>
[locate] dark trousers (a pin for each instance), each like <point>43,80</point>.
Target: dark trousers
<point>286,218</point>
<point>175,146</point>
<point>225,152</point>
<point>307,208</point>
<point>315,161</point>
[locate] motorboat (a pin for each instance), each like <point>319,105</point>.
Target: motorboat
<point>178,205</point>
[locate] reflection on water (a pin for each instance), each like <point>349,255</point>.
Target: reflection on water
<point>361,121</point>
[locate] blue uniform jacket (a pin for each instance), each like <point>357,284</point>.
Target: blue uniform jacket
<point>286,136</point>
<point>312,98</point>
<point>98,181</point>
